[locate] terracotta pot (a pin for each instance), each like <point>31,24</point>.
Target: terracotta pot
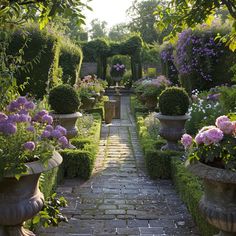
<point>68,121</point>
<point>21,199</point>
<point>218,203</point>
<point>172,129</point>
<point>87,103</point>
<point>109,107</point>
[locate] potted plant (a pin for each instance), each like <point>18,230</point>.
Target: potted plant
<point>152,90</point>
<point>64,102</point>
<point>173,106</point>
<point>212,157</point>
<point>28,146</point>
<point>117,71</point>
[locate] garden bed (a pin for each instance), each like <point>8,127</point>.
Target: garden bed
<point>168,164</point>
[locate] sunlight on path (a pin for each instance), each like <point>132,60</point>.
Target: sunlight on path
<point>120,199</point>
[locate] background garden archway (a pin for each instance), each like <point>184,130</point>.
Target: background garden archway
<point>99,50</point>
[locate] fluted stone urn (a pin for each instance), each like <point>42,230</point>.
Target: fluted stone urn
<point>87,103</point>
<point>172,128</point>
<point>21,199</point>
<point>218,203</point>
<point>68,121</point>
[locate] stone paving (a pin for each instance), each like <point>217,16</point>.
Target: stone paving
<point>120,199</point>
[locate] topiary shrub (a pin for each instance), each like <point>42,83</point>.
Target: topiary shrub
<point>174,101</point>
<point>63,99</point>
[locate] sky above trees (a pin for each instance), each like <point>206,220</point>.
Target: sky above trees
<point>111,11</point>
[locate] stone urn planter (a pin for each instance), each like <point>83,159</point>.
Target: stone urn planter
<point>172,129</point>
<point>21,199</point>
<point>218,204</point>
<point>87,103</point>
<point>68,121</point>
<point>117,80</point>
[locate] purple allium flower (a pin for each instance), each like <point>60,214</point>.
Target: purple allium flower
<point>21,100</point>
<point>29,146</point>
<point>56,134</point>
<point>30,128</point>
<point>9,128</point>
<point>46,134</point>
<point>24,118</point>
<point>49,128</point>
<point>23,112</point>
<point>13,118</point>
<point>47,119</point>
<point>29,105</point>
<point>37,118</point>
<point>13,106</point>
<point>61,129</point>
<point>63,141</point>
<point>42,113</point>
<point>3,117</point>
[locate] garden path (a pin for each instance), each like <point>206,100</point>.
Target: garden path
<point>120,199</point>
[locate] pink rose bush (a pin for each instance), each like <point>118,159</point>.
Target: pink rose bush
<point>27,134</point>
<point>215,143</point>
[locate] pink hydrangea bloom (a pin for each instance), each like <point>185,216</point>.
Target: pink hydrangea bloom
<point>227,127</point>
<point>213,135</point>
<point>220,120</point>
<point>186,140</point>
<point>199,138</point>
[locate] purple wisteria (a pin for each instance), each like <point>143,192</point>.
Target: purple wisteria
<point>196,53</point>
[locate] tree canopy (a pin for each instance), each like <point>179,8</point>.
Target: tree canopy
<point>18,11</point>
<point>180,14</point>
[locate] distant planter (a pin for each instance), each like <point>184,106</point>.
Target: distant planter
<point>87,103</point>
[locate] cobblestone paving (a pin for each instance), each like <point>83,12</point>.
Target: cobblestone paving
<point>120,199</point>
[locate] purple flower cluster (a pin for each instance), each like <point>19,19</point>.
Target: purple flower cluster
<point>197,53</point>
<point>167,58</point>
<point>18,111</point>
<point>117,70</point>
<point>59,133</point>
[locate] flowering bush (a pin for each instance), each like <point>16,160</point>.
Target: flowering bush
<point>117,70</point>
<point>201,59</point>
<point>152,87</point>
<point>27,135</point>
<point>214,145</point>
<point>90,85</point>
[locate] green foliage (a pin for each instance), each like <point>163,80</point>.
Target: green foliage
<point>190,189</point>
<point>182,14</point>
<point>174,101</point>
<point>143,20</point>
<point>202,112</point>
<point>98,51</point>
<point>202,59</point>
<point>50,215</point>
<point>63,99</point>
<point>39,59</point>
<point>166,164</point>
<point>18,12</point>
<point>79,162</point>
<point>70,61</point>
<point>228,99</point>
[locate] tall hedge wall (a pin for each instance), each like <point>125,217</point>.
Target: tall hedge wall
<point>41,59</point>
<point>40,52</point>
<point>70,61</point>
